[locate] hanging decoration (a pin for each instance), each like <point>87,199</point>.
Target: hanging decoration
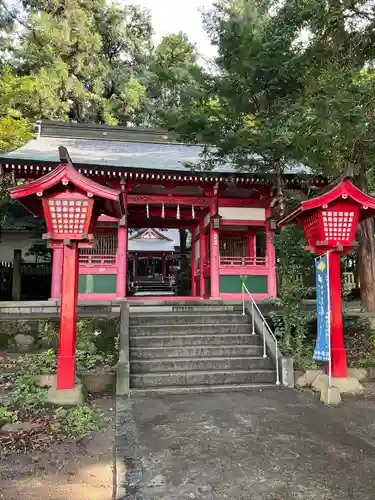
<point>178,212</point>
<point>162,212</point>
<point>147,211</point>
<point>192,212</point>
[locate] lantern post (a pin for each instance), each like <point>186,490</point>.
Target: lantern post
<point>71,204</point>
<point>330,223</point>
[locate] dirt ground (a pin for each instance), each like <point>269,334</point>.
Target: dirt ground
<point>73,470</point>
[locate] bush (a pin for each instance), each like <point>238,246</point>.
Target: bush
<point>36,364</point>
<point>75,422</point>
<point>96,345</point>
<point>7,416</point>
<point>356,333</point>
<point>26,395</point>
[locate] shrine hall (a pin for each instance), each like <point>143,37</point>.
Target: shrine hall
<point>226,213</point>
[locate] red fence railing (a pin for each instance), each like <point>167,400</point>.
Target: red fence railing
<point>242,261</point>
<point>97,260</point>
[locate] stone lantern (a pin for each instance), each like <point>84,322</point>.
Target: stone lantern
<point>71,204</point>
<point>330,223</point>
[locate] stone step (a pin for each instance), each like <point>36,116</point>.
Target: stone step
<point>191,378</point>
<point>195,351</point>
<point>153,287</point>
<point>189,318</point>
<point>188,307</point>
<point>186,329</point>
<point>200,363</point>
<point>191,340</point>
<point>204,389</point>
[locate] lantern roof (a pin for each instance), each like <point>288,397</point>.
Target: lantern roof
<point>345,190</point>
<point>109,201</point>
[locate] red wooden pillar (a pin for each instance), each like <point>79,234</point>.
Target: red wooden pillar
<point>338,354</point>
<point>57,261</point>
<point>121,260</point>
<point>215,256</point>
<point>68,318</point>
<point>193,265</point>
<point>271,260</point>
<point>251,246</point>
<point>202,257</point>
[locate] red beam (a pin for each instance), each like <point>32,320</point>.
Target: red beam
<point>161,223</point>
<point>169,212</point>
<point>258,223</point>
<point>142,199</point>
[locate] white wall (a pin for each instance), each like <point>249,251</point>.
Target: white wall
<point>11,241</point>
<point>242,213</point>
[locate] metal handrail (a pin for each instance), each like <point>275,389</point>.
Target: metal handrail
<point>264,325</point>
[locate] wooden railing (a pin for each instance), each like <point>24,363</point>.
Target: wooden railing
<point>97,260</point>
<point>242,261</point>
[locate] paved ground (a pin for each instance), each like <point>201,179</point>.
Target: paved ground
<point>269,445</point>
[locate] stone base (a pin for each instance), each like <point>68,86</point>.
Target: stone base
<point>330,396</point>
<point>66,397</point>
<point>347,385</point>
<point>98,382</point>
<point>358,373</point>
<point>45,380</point>
<point>307,378</point>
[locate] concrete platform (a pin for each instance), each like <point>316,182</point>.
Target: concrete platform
<point>260,445</point>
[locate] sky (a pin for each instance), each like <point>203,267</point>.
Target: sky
<point>179,15</point>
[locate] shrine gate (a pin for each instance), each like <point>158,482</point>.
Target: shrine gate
<point>226,212</point>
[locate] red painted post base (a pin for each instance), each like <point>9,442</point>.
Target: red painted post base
<point>65,372</point>
<point>68,318</point>
<point>338,353</point>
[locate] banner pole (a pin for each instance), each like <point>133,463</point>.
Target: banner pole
<point>329,325</point>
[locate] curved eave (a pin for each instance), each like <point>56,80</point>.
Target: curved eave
<point>64,172</point>
<point>32,168</point>
<point>346,189</point>
<point>290,218</point>
<point>109,199</point>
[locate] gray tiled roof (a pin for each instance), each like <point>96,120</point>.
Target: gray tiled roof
<point>119,147</point>
<point>20,224</point>
<point>147,245</point>
<point>130,155</point>
<point>151,246</point>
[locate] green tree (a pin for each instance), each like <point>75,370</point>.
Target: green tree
<point>85,57</point>
<point>332,123</point>
<point>259,74</point>
<point>173,78</point>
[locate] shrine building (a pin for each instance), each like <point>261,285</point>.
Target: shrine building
<point>227,212</point>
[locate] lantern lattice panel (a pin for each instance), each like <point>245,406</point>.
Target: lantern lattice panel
<point>68,216</point>
<point>339,225</point>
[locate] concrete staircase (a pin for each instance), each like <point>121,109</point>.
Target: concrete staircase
<point>152,287</point>
<point>200,348</point>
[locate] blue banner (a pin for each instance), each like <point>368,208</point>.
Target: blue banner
<point>321,352</point>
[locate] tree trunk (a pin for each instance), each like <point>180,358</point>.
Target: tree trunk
<point>366,255</point>
<point>366,264</point>
<point>280,207</point>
